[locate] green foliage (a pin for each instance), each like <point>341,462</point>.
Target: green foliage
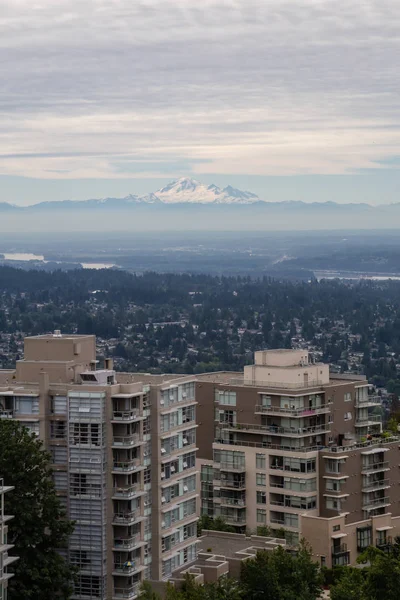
<point>39,526</point>
<point>224,589</point>
<point>349,586</point>
<point>378,579</point>
<point>209,524</point>
<point>279,575</point>
<point>147,593</point>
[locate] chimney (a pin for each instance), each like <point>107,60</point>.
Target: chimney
<point>93,365</point>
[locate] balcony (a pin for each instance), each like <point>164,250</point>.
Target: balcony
<point>376,503</point>
<point>127,568</point>
<point>127,493</point>
<point>375,467</point>
<point>128,593</point>
<point>340,555</point>
<point>234,519</point>
<point>127,466</point>
<point>126,416</point>
<point>292,412</point>
<point>128,518</point>
<point>6,414</point>
<point>230,484</point>
<point>229,466</point>
<point>368,421</point>
<point>376,485</point>
<point>369,401</point>
<point>126,441</point>
<point>276,430</point>
<point>126,544</point>
<point>238,502</point>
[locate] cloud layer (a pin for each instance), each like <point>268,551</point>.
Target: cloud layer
<point>145,88</point>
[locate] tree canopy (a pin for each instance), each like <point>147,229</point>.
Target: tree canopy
<point>39,526</point>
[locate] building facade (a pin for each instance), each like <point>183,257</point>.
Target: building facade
<point>283,449</point>
<point>298,452</point>
<point>124,460</point>
<point>5,547</point>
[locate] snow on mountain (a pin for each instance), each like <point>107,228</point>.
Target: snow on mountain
<point>193,192</point>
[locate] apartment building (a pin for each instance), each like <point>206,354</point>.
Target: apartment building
<point>124,460</point>
<point>5,547</point>
<point>299,449</point>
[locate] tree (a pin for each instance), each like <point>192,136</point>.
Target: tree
<point>278,575</point>
<point>39,526</point>
<point>147,593</point>
<point>350,586</point>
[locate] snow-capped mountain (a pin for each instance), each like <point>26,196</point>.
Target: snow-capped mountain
<point>191,191</point>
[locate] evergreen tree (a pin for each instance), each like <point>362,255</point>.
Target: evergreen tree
<point>39,526</point>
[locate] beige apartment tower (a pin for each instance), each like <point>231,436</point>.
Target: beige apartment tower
<point>299,451</point>
<point>285,445</point>
<point>124,460</point>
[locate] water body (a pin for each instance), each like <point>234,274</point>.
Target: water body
<point>26,256</point>
<point>22,256</point>
<point>356,276</point>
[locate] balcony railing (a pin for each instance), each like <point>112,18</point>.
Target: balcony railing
<point>339,549</point>
<point>375,467</point>
<point>126,441</point>
<point>231,501</point>
<point>234,519</point>
<point>6,414</point>
<point>376,485</point>
<point>226,483</point>
<point>127,492</point>
<point>125,466</point>
<point>276,385</point>
<point>373,419</point>
<point>276,429</point>
<point>230,466</point>
<point>293,412</point>
<point>371,504</point>
<point>128,593</point>
<point>126,415</point>
<point>369,401</point>
<point>128,567</point>
<point>126,543</point>
<point>126,518</point>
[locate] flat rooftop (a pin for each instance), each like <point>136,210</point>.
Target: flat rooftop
<point>229,544</point>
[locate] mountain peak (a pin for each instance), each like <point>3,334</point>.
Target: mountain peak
<point>192,191</point>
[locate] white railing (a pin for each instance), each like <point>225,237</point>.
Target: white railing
<point>276,385</point>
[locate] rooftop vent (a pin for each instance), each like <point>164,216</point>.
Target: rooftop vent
<point>57,333</point>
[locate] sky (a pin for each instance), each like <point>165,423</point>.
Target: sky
<point>290,99</point>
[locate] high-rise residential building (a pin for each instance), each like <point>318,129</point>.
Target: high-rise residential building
<point>5,547</point>
<point>285,447</point>
<point>301,451</point>
<point>124,460</point>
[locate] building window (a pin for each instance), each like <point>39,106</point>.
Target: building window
<point>261,479</point>
<point>333,504</point>
<point>225,397</point>
<point>323,561</point>
<point>266,400</point>
<point>261,515</point>
<point>364,538</point>
<point>147,475</point>
<point>348,416</point>
<point>261,497</point>
<point>347,397</point>
<point>260,461</point>
<point>336,528</point>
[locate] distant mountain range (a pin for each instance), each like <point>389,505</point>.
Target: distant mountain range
<point>187,204</point>
<point>186,191</point>
<point>182,191</point>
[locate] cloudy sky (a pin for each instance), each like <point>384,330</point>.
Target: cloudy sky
<point>291,99</point>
